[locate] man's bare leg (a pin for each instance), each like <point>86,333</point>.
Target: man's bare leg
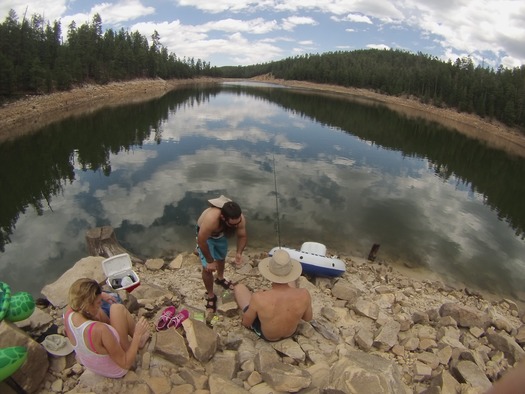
<point>242,295</point>
<point>207,278</point>
<point>220,269</point>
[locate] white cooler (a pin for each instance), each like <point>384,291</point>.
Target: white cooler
<point>119,273</point>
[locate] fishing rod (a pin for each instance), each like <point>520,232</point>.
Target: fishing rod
<point>276,203</point>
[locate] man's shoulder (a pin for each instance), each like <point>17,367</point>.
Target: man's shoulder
<point>210,217</point>
<point>260,295</point>
<point>304,293</point>
<point>212,212</point>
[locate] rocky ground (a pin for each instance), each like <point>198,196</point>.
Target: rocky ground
<point>375,330</point>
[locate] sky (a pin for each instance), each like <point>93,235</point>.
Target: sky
<point>245,32</point>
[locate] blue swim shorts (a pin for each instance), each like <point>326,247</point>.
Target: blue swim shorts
<point>218,249</point>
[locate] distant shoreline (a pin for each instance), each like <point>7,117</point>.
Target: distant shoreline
<point>494,133</point>
<point>32,113</point>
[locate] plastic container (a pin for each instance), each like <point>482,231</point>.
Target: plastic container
<point>119,273</point>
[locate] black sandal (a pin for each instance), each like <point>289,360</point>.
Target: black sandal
<point>211,303</point>
<point>225,283</point>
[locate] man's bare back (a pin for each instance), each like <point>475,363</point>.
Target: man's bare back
<point>279,310</point>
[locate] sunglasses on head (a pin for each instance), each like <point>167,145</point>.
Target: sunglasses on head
<point>98,290</point>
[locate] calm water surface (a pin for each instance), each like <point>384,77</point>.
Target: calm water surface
<point>348,175</point>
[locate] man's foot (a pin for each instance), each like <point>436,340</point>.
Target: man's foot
<point>225,283</point>
<point>211,303</point>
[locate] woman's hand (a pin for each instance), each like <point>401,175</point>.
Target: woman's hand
<point>108,298</point>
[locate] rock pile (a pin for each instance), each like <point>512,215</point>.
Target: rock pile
<point>374,331</point>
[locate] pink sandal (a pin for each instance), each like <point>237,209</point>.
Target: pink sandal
<point>178,319</point>
<point>165,318</point>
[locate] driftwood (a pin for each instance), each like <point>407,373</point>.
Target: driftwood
<point>373,252</point>
<point>101,241</point>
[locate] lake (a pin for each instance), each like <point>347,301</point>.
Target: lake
<point>347,174</point>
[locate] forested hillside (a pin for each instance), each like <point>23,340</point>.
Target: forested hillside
<point>35,59</point>
<point>491,94</point>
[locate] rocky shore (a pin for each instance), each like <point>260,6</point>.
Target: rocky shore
<point>375,330</point>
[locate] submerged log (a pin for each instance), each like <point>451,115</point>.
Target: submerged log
<point>101,241</point>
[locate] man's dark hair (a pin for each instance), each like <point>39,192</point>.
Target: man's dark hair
<point>231,210</point>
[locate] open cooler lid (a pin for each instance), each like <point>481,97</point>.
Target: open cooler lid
<point>115,264</point>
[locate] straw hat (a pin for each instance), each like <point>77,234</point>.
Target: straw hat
<point>280,268</point>
<point>57,345</point>
<point>219,202</point>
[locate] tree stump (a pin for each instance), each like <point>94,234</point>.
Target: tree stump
<point>101,241</point>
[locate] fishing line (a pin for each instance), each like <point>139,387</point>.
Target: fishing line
<point>276,203</point>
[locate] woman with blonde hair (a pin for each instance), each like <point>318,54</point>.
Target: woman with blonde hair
<point>102,343</point>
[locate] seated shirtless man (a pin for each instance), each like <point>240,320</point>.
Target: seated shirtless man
<point>216,224</point>
<point>275,314</point>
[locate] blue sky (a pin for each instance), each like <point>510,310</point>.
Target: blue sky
<point>243,32</point>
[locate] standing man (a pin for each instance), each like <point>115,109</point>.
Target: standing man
<point>218,222</point>
<point>275,314</point>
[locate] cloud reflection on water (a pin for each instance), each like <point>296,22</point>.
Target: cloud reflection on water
<point>333,188</point>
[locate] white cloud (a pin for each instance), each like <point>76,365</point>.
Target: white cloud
<point>378,46</point>
<point>253,26</point>
<point>357,18</point>
<point>122,11</point>
<point>294,21</point>
<point>490,31</point>
<point>51,10</point>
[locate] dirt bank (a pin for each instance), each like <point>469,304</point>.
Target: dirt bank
<point>30,114</point>
<point>494,133</point>
<point>33,112</point>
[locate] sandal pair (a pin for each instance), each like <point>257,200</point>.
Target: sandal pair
<point>169,319</point>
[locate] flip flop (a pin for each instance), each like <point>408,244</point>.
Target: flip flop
<point>164,319</point>
<point>178,319</point>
